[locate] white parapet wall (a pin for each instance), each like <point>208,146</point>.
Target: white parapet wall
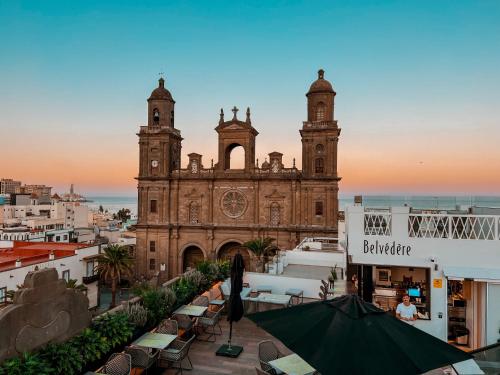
<point>316,258</point>
<point>280,284</point>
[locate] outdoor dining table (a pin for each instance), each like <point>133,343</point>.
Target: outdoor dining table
<point>191,310</point>
<point>292,365</point>
<point>276,299</point>
<point>155,340</point>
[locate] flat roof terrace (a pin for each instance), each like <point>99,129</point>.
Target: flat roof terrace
<point>35,252</point>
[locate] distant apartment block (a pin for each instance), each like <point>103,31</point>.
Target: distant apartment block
<point>9,186</point>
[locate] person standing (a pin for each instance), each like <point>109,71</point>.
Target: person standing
<point>406,310</point>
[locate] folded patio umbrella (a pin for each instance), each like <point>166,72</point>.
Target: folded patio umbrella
<point>235,306</point>
<point>347,335</point>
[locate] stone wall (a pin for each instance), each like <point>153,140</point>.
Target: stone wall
<point>43,311</point>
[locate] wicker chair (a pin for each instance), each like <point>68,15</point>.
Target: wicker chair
<point>200,301</point>
<point>268,352</point>
<point>168,326</point>
<point>141,358</point>
<point>118,364</point>
<point>177,351</point>
<point>184,322</point>
<point>210,320</point>
<point>261,372</point>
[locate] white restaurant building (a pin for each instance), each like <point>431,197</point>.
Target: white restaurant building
<point>448,261</point>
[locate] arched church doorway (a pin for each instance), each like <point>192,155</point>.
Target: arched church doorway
<point>191,257</point>
<point>228,250</point>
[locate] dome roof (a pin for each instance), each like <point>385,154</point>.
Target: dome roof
<point>321,84</point>
<point>161,92</point>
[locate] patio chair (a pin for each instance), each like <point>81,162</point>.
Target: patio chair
<point>168,326</point>
<point>141,358</point>
<point>210,320</point>
<point>261,372</point>
<point>201,301</point>
<point>176,353</point>
<point>268,352</point>
<point>118,364</point>
<point>184,322</point>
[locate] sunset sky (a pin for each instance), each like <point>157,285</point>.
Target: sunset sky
<point>417,82</point>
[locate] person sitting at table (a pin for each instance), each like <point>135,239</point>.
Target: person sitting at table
<point>406,310</point>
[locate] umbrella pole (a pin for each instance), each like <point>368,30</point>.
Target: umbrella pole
<point>230,335</point>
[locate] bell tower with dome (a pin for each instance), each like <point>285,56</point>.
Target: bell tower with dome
<point>320,133</point>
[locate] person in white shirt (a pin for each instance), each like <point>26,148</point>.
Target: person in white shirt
<point>406,310</point>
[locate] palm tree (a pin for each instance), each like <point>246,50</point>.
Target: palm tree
<point>261,247</point>
<point>114,263</point>
<point>72,284</point>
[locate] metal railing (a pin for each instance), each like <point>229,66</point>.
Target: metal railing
<point>378,223</point>
<point>460,227</point>
<point>449,226</point>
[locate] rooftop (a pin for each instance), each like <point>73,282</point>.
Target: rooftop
<point>35,252</point>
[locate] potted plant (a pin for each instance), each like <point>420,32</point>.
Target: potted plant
<point>333,276</point>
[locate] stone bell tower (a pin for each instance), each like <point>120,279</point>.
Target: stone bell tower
<point>234,133</point>
<point>159,156</point>
<point>320,133</point>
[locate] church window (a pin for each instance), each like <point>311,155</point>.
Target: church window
<point>153,206</point>
<point>172,119</point>
<point>275,214</point>
<point>320,111</point>
<point>156,116</point>
<point>318,208</point>
<point>152,264</point>
<point>319,165</point>
<point>194,211</point>
<point>320,148</point>
<point>152,246</point>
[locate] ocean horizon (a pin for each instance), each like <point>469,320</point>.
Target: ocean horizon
<point>444,202</point>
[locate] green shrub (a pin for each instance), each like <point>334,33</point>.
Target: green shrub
<point>137,314</point>
<point>116,328</point>
<point>197,279</point>
<point>63,358</point>
<point>224,269</point>
<point>91,344</point>
<point>184,290</point>
<point>27,364</point>
<point>158,303</point>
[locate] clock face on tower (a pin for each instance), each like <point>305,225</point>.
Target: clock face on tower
<point>154,163</point>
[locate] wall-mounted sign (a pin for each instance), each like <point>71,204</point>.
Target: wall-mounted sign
<point>437,283</point>
<point>386,248</point>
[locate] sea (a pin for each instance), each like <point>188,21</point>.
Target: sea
<point>115,203</point>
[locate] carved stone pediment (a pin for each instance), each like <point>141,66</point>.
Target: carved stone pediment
<point>193,194</point>
<point>43,311</point>
<point>275,195</point>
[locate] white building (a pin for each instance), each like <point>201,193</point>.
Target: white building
<point>72,261</point>
<point>449,263</point>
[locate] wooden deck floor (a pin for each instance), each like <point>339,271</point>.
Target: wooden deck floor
<point>246,334</point>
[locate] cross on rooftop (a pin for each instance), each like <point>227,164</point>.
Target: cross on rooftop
<point>161,74</point>
<point>234,110</point>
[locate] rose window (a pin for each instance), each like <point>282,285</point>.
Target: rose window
<point>234,203</point>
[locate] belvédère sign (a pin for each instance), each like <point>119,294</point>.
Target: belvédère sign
<point>386,248</point>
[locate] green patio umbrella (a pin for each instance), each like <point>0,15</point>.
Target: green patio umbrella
<point>347,335</point>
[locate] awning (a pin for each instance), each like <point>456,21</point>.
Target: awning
<point>477,274</point>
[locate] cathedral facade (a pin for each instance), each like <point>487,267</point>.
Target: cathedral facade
<point>194,213</point>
